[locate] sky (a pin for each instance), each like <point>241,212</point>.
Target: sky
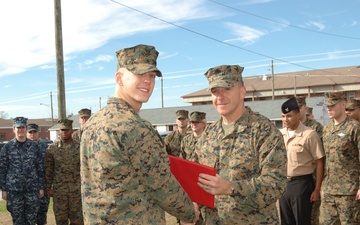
<point>191,36</point>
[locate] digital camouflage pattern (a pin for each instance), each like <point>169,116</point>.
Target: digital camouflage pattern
<point>251,154</point>
<point>21,177</point>
<point>331,98</point>
<point>62,173</point>
<point>197,116</point>
<point>139,59</point>
<point>342,169</point>
<point>125,171</point>
<point>173,142</point>
<point>188,146</point>
<point>353,104</point>
<point>76,135</point>
<point>181,113</point>
<point>315,125</point>
<point>224,76</point>
<point>44,201</point>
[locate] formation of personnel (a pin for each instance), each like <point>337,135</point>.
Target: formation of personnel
<point>115,168</point>
<point>84,115</point>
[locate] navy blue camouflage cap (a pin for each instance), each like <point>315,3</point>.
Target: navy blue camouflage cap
<point>353,104</point>
<point>65,124</point>
<point>20,121</point>
<point>181,113</point>
<point>197,116</point>
<point>139,59</point>
<point>331,98</point>
<point>225,76</point>
<point>33,127</point>
<point>290,105</point>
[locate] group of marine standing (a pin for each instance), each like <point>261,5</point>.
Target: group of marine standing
<point>117,169</point>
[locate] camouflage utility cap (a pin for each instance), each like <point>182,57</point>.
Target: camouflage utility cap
<point>20,121</point>
<point>65,124</point>
<point>331,98</point>
<point>33,127</point>
<point>84,112</point>
<point>197,116</point>
<point>184,114</point>
<point>225,76</point>
<point>139,59</point>
<point>353,104</point>
<point>301,100</point>
<point>290,105</point>
<point>309,111</point>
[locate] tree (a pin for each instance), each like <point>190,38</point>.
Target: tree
<point>4,115</point>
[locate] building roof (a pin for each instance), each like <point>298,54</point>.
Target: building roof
<point>269,108</point>
<point>43,122</point>
<point>303,79</point>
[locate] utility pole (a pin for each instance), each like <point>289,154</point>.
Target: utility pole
<point>99,103</point>
<point>273,80</point>
<point>59,61</point>
<point>52,109</point>
<point>162,94</point>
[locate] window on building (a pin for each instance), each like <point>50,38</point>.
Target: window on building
<point>171,128</point>
<point>351,95</point>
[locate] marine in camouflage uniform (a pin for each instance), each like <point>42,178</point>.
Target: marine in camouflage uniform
<point>21,175</point>
<point>198,124</point>
<point>353,109</point>
<point>62,173</point>
<point>84,115</point>
<point>173,140</point>
<point>33,134</point>
<point>125,171</point>
<point>248,153</point>
<point>340,202</point>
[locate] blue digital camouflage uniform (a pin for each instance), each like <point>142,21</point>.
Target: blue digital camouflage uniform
<point>125,171</point>
<point>44,201</point>
<point>62,173</point>
<point>22,177</point>
<point>342,172</point>
<point>251,154</point>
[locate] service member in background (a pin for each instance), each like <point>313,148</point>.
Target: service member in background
<point>309,113</point>
<point>21,175</point>
<point>173,140</point>
<point>353,109</point>
<point>318,127</point>
<point>62,173</point>
<point>198,124</point>
<point>305,154</point>
<point>340,200</point>
<point>84,115</point>
<point>125,170</point>
<point>248,153</point>
<point>313,124</point>
<point>33,134</point>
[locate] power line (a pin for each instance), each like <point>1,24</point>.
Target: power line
<point>282,23</point>
<point>217,40</point>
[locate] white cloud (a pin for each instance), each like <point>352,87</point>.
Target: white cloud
<point>28,38</point>
<point>319,25</point>
<point>244,34</point>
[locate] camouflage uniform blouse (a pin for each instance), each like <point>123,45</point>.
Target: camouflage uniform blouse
<point>76,135</point>
<point>188,146</point>
<point>62,167</point>
<point>126,177</point>
<point>173,142</point>
<point>252,155</point>
<point>21,167</point>
<point>341,145</point>
<point>315,125</point>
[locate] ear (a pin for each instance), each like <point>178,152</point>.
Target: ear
<point>118,77</point>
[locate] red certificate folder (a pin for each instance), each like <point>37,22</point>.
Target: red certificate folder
<point>187,172</point>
